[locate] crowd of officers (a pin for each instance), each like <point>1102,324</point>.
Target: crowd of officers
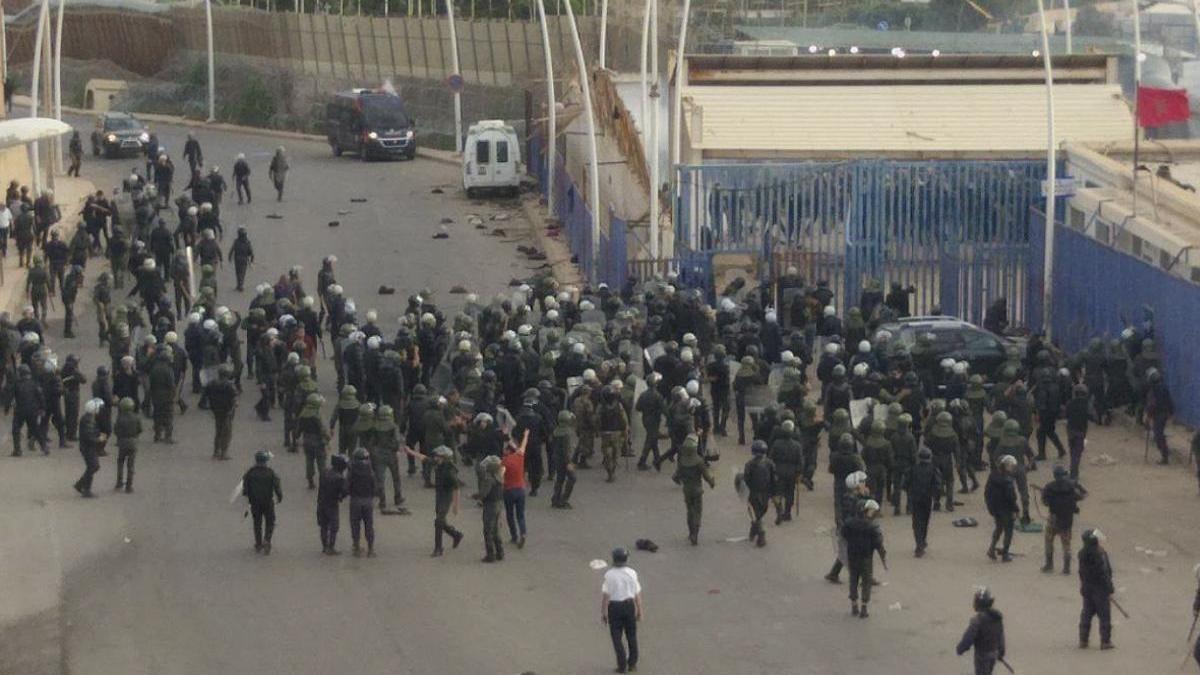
<point>557,374</point>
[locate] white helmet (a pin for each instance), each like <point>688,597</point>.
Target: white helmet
<point>552,315</point>
<point>192,210</point>
<point>578,348</point>
<point>860,369</point>
<point>727,304</point>
<point>524,329</point>
<point>686,355</point>
<point>293,358</point>
<point>693,387</point>
<point>864,347</point>
<point>960,368</point>
<point>689,339</point>
<point>589,375</point>
<point>372,316</point>
<point>464,346</point>
<point>831,348</point>
<point>373,342</point>
<point>586,306</point>
<point>771,318</point>
<point>946,363</point>
<point>786,356</point>
<point>830,311</point>
<point>209,324</point>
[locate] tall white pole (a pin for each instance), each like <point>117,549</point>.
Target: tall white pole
<point>212,85</point>
<point>645,85</point>
<point>655,141</point>
<point>677,112</point>
<point>1137,86</point>
<point>1067,11</point>
<point>35,92</point>
<point>1051,176</point>
<point>1195,21</point>
<point>458,139</point>
<point>590,117</point>
<point>603,31</point>
<point>58,40</point>
<point>552,132</point>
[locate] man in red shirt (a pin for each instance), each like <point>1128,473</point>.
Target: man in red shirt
<point>514,489</point>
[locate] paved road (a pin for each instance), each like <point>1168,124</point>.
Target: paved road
<point>165,581</point>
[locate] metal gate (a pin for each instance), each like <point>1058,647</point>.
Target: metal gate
<point>956,231</point>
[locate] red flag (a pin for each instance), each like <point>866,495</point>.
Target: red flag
<point>1159,107</point>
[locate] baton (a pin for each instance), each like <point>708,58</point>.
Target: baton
<point>1005,664</point>
<point>1146,454</point>
<point>1188,655</point>
<point>1120,608</point>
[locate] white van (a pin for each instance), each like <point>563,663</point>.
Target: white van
<point>491,158</point>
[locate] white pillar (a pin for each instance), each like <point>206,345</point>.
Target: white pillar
<point>677,111</point>
<point>645,86</point>
<point>458,139</point>
<point>1051,176</point>
<point>1067,11</point>
<point>552,131</point>
<point>655,140</point>
<point>212,85</point>
<point>1195,22</point>
<point>58,40</point>
<point>603,31</point>
<point>35,93</point>
<point>590,117</point>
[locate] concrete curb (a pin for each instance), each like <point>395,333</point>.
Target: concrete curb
<point>443,156</point>
<point>558,254</point>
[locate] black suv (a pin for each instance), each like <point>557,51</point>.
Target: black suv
<point>371,123</point>
<point>956,339</point>
<point>118,134</point>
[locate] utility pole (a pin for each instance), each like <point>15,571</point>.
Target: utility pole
<point>552,131</point>
<point>458,136</point>
<point>58,40</point>
<point>590,117</point>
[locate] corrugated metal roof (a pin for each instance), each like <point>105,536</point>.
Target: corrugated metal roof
<point>963,120</point>
<point>947,42</point>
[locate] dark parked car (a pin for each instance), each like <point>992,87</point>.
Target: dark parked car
<point>954,338</point>
<point>371,123</point>
<point>118,134</point>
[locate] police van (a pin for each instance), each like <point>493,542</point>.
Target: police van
<point>491,158</point>
<point>371,123</point>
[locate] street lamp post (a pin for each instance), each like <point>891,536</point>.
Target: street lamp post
<point>212,86</point>
<point>552,131</point>
<point>590,117</point>
<point>35,158</point>
<point>603,31</point>
<point>58,40</point>
<point>458,139</point>
<point>655,133</point>
<point>677,112</point>
<point>1051,171</point>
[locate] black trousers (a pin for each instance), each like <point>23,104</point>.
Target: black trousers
<point>1045,430</point>
<point>1096,603</point>
<point>91,466</point>
<point>921,509</point>
<point>327,520</point>
<point>720,404</point>
<point>622,622</point>
<point>263,513</point>
<point>1004,526</point>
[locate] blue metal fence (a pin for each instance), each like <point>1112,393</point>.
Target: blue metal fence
<point>611,265</point>
<point>957,231</point>
<point>1097,288</point>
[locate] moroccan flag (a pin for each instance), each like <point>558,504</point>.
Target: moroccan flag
<point>1159,107</point>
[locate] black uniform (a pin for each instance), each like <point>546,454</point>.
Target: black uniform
<point>923,483</point>
<point>986,634</point>
<point>261,486</point>
<point>1096,587</point>
<point>759,475</point>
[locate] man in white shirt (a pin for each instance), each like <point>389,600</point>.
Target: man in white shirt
<point>621,608</point>
<point>6,218</point>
